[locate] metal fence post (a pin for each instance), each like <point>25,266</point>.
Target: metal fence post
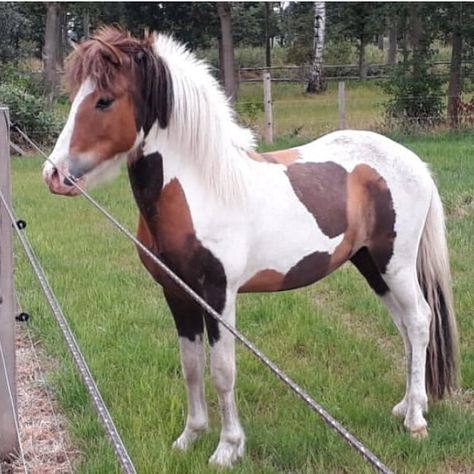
<point>267,99</point>
<point>342,104</point>
<point>8,408</point>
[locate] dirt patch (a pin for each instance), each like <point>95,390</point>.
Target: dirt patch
<point>46,445</point>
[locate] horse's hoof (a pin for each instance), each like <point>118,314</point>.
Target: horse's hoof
<point>187,439</point>
<point>419,433</point>
<point>227,453</point>
<point>400,409</point>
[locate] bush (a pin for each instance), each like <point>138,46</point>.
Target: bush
<point>417,98</point>
<point>30,113</point>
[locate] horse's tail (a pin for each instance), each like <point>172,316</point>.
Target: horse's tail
<point>434,277</point>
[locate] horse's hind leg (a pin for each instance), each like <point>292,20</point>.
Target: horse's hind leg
<point>232,439</point>
<point>402,296</point>
<point>364,262</point>
<point>190,326</point>
<point>400,409</point>
<point>414,316</point>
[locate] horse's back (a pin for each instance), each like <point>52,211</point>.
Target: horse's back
<point>352,147</point>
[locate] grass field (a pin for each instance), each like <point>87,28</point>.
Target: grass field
<point>333,338</point>
<point>296,113</point>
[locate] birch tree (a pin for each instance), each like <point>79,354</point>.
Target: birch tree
<point>316,80</point>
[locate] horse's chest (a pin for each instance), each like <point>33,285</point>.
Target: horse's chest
<point>166,227</point>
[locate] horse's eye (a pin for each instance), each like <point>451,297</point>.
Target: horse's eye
<point>103,103</point>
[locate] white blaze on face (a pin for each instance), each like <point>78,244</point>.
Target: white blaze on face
<point>59,156</point>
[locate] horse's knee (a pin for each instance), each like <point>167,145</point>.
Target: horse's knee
<point>223,375</point>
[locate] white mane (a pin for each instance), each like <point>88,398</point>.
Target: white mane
<point>202,125</point>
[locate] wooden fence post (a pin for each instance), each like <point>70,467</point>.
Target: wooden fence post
<point>342,105</point>
<point>267,99</point>
<point>8,408</point>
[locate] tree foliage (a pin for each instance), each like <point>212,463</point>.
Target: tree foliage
<point>15,29</point>
<point>416,26</point>
<point>417,96</point>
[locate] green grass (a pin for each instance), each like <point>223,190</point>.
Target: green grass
<point>333,338</point>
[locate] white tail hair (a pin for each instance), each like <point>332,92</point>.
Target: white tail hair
<point>434,277</point>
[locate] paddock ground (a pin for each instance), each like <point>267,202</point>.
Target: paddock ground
<point>333,338</point>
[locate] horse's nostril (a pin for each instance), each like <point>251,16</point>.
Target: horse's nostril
<point>54,176</point>
<point>68,182</point>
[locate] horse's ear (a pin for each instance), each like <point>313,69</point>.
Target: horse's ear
<point>110,52</point>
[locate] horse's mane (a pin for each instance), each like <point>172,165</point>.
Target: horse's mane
<point>201,120</point>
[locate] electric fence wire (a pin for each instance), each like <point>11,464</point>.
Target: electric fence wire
<point>370,457</point>
<point>97,400</point>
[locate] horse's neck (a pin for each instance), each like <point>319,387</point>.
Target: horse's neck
<point>223,177</point>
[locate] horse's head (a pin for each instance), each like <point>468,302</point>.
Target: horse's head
<point>120,89</point>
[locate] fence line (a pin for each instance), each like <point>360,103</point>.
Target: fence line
<point>73,346</point>
<point>340,112</point>
<point>9,436</point>
<point>336,72</point>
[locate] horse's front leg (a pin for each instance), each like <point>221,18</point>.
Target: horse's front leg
<point>223,371</point>
<point>189,323</point>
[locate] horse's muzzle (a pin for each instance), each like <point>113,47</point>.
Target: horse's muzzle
<point>57,182</point>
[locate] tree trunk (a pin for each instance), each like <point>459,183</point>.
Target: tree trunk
<point>316,80</point>
<point>362,61</point>
<point>50,53</point>
<point>227,65</point>
<point>61,27</point>
<point>86,24</point>
<point>268,49</point>
<point>392,45</point>
<point>454,87</point>
<point>415,26</point>
<point>380,41</point>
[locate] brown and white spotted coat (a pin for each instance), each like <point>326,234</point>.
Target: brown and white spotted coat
<point>227,219</point>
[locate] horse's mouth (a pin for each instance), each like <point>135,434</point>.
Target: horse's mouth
<point>62,185</point>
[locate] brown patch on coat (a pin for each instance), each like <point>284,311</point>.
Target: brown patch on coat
<point>363,208</point>
<point>145,236</point>
<point>282,157</point>
<point>322,188</point>
<point>175,225</point>
<point>371,214</point>
<point>265,280</point>
<point>169,233</point>
<point>308,270</point>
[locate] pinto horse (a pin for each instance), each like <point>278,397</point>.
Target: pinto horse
<point>228,219</point>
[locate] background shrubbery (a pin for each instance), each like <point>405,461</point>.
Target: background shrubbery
<point>21,91</point>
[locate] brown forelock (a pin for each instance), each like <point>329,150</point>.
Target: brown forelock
<point>94,59</point>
